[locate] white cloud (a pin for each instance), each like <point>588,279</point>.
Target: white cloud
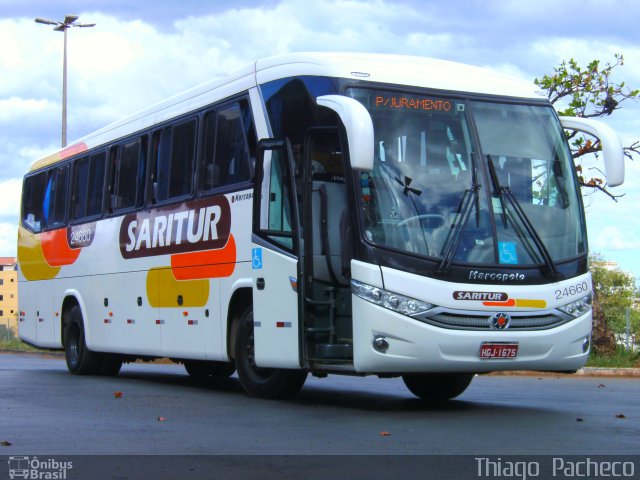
<point>615,238</point>
<point>8,237</point>
<point>11,191</point>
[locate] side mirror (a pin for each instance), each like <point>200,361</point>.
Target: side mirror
<point>359,127</point>
<point>612,150</point>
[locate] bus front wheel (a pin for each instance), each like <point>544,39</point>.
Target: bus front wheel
<point>437,387</point>
<point>257,381</point>
<point>80,360</point>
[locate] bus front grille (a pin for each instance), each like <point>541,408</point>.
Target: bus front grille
<point>482,320</point>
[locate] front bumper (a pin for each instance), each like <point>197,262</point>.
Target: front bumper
<point>415,346</point>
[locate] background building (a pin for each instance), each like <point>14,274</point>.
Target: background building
<point>8,296</point>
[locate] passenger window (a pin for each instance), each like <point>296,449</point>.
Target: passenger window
<point>79,189</point>
<point>55,199</point>
<point>33,201</point>
<point>128,175</point>
<point>95,185</point>
<point>230,147</point>
<point>174,153</point>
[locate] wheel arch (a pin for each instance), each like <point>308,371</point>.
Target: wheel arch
<point>241,298</point>
<point>70,299</point>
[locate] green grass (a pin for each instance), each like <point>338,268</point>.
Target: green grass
<point>13,344</point>
<point>620,359</point>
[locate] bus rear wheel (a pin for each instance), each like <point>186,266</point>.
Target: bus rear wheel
<point>80,360</point>
<point>201,370</point>
<point>437,387</point>
<point>111,365</point>
<point>261,382</point>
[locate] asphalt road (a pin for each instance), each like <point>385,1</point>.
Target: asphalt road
<point>43,409</point>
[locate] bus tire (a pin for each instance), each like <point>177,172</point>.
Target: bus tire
<point>437,387</point>
<point>111,365</point>
<point>202,370</point>
<point>271,383</point>
<point>80,360</point>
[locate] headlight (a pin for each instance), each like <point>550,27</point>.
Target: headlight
<point>392,301</point>
<point>577,308</point>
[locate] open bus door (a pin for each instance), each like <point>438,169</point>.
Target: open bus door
<point>268,346</point>
<point>276,245</point>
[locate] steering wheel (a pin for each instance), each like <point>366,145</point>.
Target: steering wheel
<point>423,216</point>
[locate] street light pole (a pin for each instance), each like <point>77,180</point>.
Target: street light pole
<point>63,26</point>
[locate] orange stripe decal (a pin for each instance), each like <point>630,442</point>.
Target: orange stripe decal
<point>218,263</point>
<point>56,249</point>
<point>72,150</point>
<point>61,155</point>
<point>509,303</point>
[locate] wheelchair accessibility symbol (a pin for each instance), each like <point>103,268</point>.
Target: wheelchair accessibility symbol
<point>508,253</point>
<point>256,258</point>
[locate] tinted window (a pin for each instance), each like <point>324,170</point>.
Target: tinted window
<point>79,189</point>
<point>88,184</point>
<point>230,146</point>
<point>55,199</point>
<point>33,201</point>
<point>174,153</point>
<point>128,175</point>
<point>95,185</point>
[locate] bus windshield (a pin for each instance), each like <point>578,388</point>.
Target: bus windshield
<point>463,181</point>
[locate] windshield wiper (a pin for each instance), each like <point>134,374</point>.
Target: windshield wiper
<point>506,193</point>
<point>470,198</point>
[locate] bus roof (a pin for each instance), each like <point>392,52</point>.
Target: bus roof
<point>396,69</point>
<point>381,68</point>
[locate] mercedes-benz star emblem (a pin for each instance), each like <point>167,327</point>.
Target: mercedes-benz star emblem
<point>500,321</point>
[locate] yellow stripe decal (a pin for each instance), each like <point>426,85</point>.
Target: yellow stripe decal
<point>525,303</point>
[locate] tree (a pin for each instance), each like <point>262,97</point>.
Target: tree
<point>592,92</point>
<point>614,292</point>
<point>588,92</point>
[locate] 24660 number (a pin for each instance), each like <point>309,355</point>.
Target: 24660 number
<point>572,290</point>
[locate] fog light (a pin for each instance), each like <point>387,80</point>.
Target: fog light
<point>380,344</point>
<point>586,344</point>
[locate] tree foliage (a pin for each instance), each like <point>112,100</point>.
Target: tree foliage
<point>615,291</point>
<point>588,92</point>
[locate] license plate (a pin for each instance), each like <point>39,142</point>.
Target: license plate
<point>498,351</point>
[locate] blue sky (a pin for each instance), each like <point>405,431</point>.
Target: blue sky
<point>141,52</point>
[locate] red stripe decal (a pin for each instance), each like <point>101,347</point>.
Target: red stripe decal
<point>509,303</point>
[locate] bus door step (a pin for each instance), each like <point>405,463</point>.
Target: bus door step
<point>334,350</point>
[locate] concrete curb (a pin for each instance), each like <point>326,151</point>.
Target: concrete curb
<point>584,372</point>
<point>609,372</point>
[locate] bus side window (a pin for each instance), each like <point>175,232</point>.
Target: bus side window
<point>55,201</point>
<point>173,160</point>
<point>79,188</point>
<point>95,184</point>
<point>208,168</point>
<point>232,155</point>
<point>129,173</point>
<point>183,149</point>
<point>229,147</point>
<point>33,201</point>
<point>249,133</point>
<point>112,171</point>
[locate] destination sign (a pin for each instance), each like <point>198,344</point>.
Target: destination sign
<point>413,103</point>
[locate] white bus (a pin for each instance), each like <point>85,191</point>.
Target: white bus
<point>323,213</point>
